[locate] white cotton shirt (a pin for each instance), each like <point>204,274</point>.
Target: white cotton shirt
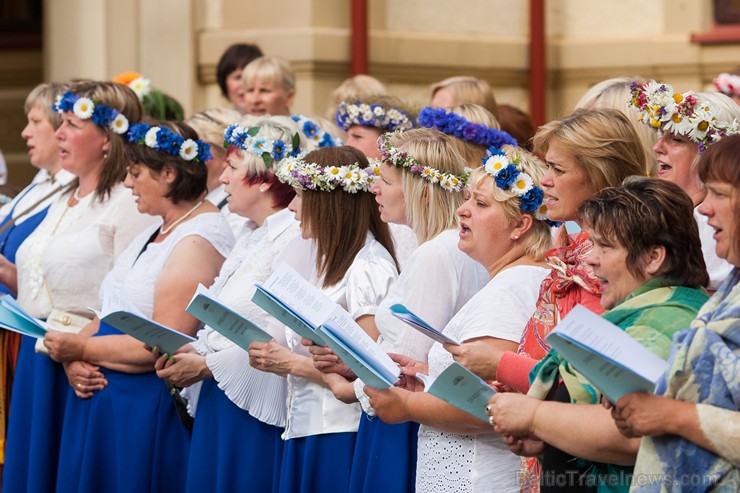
<point>237,222</point>
<point>251,262</point>
<point>451,462</point>
<point>717,268</point>
<point>73,249</point>
<point>312,408</point>
<point>42,185</point>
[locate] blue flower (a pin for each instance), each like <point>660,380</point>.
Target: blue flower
<point>137,132</point>
<point>67,101</point>
<point>204,151</point>
<point>102,115</point>
<point>532,200</point>
<point>327,141</point>
<point>495,151</point>
<point>506,177</point>
<point>278,150</point>
<point>310,128</point>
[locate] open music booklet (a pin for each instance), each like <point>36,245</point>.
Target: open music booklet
<point>402,313</point>
<point>15,318</point>
<point>205,307</point>
<point>606,355</point>
<point>460,387</point>
<point>311,314</point>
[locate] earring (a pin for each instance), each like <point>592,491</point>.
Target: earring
<point>516,237</point>
<point>105,155</point>
<point>263,188</point>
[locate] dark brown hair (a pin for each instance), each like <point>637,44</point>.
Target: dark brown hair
<point>339,221</point>
<point>644,213</point>
<point>720,163</point>
<point>190,177</point>
<point>236,57</point>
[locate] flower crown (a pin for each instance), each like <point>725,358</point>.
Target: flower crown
<point>372,115</point>
<point>310,176</point>
<point>314,133</point>
<point>401,159</point>
<point>508,176</point>
<point>247,140</point>
<point>163,140</point>
<point>84,108</point>
<point>684,114</point>
<point>457,126</point>
<point>728,84</point>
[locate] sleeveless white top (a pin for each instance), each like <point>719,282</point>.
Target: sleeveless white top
<point>134,279</point>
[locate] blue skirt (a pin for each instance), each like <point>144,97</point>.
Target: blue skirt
<point>35,422</point>
<point>231,450</point>
<point>126,437</point>
<point>317,463</point>
<point>385,457</point>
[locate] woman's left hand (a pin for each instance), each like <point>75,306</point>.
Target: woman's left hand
<point>182,369</point>
<point>389,404</point>
<point>512,414</point>
<point>271,357</point>
<point>64,346</point>
<point>524,446</point>
<point>639,414</point>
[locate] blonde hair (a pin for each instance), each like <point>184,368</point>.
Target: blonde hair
<point>210,125</point>
<point>43,96</point>
<point>615,93</point>
<point>430,209</point>
<point>603,143</point>
<point>538,239</point>
<point>473,153</point>
<point>270,70</point>
<point>271,128</point>
<point>467,89</point>
<point>359,86</point>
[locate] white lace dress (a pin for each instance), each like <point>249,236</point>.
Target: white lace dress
<point>255,255</point>
<point>447,462</point>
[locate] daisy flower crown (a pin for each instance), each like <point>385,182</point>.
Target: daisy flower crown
<point>84,108</point>
<point>310,176</point>
<point>314,133</point>
<point>247,140</point>
<point>372,115</point>
<point>164,140</point>
<point>728,84</point>
<point>401,159</point>
<point>685,114</point>
<point>508,176</point>
<point>457,126</point>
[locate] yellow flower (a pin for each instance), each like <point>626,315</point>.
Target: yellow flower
<point>678,97</point>
<point>676,118</point>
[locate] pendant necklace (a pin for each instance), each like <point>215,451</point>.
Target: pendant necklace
<point>164,231</point>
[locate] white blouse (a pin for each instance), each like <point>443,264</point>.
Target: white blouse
<point>312,408</point>
<point>134,279</point>
<point>63,262</point>
<point>251,262</point>
<point>436,282</point>
<point>405,242</point>
<point>451,462</point>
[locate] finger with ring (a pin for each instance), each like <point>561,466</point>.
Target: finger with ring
<point>79,385</point>
<point>490,420</point>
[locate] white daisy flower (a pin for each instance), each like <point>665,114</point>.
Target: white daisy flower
<point>541,213</point>
<point>445,182</point>
<point>430,174</point>
<point>189,150</point>
<point>141,86</point>
<point>119,124</point>
<point>378,110</point>
<point>333,173</point>
<point>150,139</point>
<point>83,108</point>
<point>495,164</point>
<point>522,184</point>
